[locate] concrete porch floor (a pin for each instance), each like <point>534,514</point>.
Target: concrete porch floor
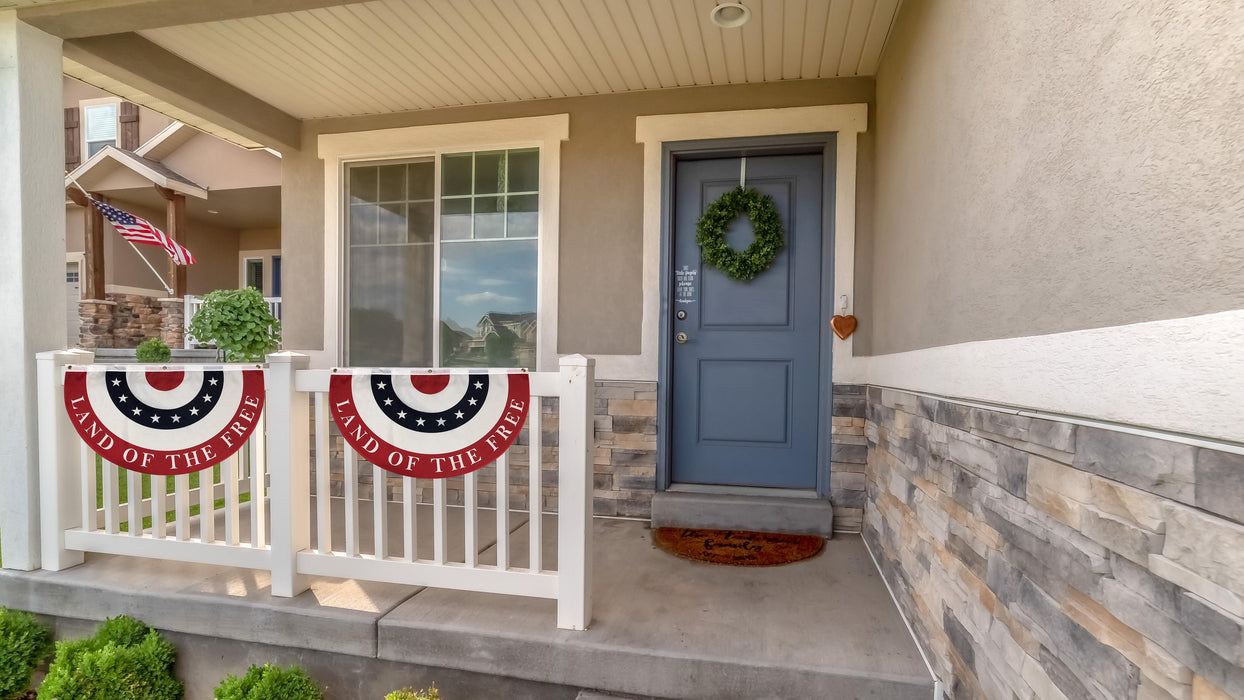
<point>662,627</point>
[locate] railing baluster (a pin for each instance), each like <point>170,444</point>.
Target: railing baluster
<point>229,478</point>
<point>503,511</point>
<point>159,505</point>
<point>207,505</point>
<point>352,501</point>
<point>440,533</point>
<point>258,464</point>
<point>410,515</point>
<point>134,501</point>
<point>90,521</point>
<point>323,486</point>
<point>281,455</point>
<point>535,488</point>
<point>380,514</point>
<point>470,514</point>
<point>181,504</point>
<point>111,498</point>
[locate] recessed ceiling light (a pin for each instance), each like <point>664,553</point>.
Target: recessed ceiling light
<point>212,211</point>
<point>729,15</point>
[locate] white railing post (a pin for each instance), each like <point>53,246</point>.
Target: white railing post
<point>187,314</point>
<point>576,442</point>
<point>60,460</point>
<point>289,466</point>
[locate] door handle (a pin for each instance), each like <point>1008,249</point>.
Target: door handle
<point>680,337</point>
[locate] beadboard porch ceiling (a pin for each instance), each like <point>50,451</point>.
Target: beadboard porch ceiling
<point>215,65</point>
<point>399,55</point>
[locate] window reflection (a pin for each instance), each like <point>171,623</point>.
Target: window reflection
<point>488,304</point>
<point>489,223</point>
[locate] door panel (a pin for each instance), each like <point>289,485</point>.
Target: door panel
<point>744,394</point>
<point>763,417</point>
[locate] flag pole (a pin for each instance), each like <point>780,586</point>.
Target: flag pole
<point>142,257</point>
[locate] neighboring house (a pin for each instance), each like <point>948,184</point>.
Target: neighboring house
<point>126,153</point>
<point>1031,209</point>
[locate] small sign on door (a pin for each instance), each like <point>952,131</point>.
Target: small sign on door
<point>684,285</point>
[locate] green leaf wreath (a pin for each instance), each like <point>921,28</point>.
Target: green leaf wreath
<point>711,233</point>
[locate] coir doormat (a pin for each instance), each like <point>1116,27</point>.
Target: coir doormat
<point>737,547</point>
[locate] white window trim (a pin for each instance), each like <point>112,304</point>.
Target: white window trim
<point>848,121</point>
<point>82,105</point>
<point>266,256</point>
<point>77,258</point>
<point>337,150</point>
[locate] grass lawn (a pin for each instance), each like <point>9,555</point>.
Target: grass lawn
<point>169,516</point>
<point>123,492</point>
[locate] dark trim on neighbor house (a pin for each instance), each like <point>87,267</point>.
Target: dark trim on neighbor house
<point>824,143</point>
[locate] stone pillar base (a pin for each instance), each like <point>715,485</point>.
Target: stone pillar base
<point>173,330</point>
<point>96,320</point>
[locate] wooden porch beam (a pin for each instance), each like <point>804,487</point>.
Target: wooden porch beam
<point>92,278</point>
<point>175,227</point>
<point>73,20</point>
<point>145,66</point>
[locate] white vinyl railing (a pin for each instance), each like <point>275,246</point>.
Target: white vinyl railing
<point>193,304</point>
<point>296,531</point>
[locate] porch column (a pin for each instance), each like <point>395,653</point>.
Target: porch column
<point>93,249</point>
<point>175,227</point>
<point>32,265</point>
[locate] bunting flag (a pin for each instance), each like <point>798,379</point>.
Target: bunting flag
<point>138,230</point>
<point>429,425</point>
<point>164,421</point>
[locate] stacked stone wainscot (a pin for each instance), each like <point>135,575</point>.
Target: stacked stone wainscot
<point>1042,559</point>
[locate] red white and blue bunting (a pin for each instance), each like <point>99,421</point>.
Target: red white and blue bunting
<point>429,425</point>
<point>164,421</point>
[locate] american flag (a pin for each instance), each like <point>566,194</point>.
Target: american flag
<point>138,230</point>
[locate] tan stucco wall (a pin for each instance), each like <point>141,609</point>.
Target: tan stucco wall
<point>600,299</point>
<point>1045,167</point>
<point>219,165</point>
<point>259,239</point>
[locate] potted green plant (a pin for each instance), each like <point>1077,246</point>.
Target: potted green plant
<point>153,350</point>
<point>239,323</point>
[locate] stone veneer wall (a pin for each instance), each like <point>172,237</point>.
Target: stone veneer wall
<point>125,320</point>
<point>1042,559</point>
<point>848,455</point>
<point>625,460</point>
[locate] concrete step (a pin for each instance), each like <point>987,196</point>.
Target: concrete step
<point>737,511</point>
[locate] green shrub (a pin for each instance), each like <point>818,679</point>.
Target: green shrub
<point>125,660</point>
<point>269,683</point>
<point>412,694</point>
<point>154,350</point>
<point>24,644</point>
<point>239,323</point>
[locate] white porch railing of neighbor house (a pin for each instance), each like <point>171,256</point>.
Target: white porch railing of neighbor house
<point>258,510</point>
<point>193,304</point>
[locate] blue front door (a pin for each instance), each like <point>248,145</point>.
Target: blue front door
<point>745,377</point>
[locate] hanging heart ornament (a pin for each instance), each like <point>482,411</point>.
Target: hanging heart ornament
<point>843,326</point>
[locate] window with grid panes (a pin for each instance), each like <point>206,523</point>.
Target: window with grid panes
<point>478,258</point>
<point>99,126</point>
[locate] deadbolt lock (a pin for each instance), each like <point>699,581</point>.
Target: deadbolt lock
<point>681,314</point>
